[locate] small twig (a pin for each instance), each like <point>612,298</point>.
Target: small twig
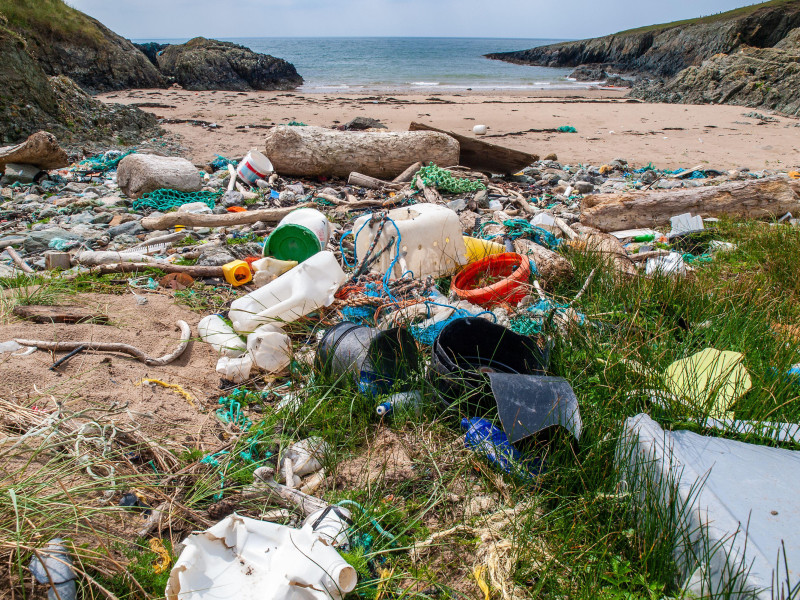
<point>25,267</point>
<point>584,288</point>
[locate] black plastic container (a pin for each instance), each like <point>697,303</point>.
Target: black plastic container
<point>374,358</point>
<point>467,350</point>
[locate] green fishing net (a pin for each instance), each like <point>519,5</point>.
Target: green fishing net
<point>442,179</point>
<point>164,200</point>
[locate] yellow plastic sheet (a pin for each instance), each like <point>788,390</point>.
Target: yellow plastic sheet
<point>710,380</point>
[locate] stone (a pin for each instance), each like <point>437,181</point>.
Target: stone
<point>287,196</point>
<point>649,177</point>
<point>481,199</point>
<point>129,228</point>
<point>138,174</point>
<point>39,241</point>
<point>232,198</point>
<point>102,219</point>
<point>216,256</point>
<point>362,123</point>
<point>21,173</point>
<point>583,187</point>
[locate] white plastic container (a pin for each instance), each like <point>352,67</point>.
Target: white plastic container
<point>306,455</point>
<point>236,370</point>
<point>300,234</point>
<point>269,348</point>
<point>254,166</point>
<point>213,330</point>
<point>330,525</point>
<point>304,289</point>
<point>431,242</point>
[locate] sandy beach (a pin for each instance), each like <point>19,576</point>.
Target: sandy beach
<point>609,125</point>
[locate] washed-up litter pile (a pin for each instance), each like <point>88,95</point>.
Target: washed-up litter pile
<point>430,289</point>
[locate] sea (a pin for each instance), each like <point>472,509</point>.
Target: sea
<point>407,63</point>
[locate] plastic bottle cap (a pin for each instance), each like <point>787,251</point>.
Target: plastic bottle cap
<point>292,242</point>
<point>384,408</point>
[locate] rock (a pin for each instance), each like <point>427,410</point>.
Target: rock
<point>583,187</point>
<point>21,173</point>
<point>649,177</point>
<point>129,228</point>
<point>287,196</point>
<point>141,173</point>
<point>102,219</point>
<point>203,64</point>
<point>362,123</point>
<point>589,73</point>
<point>232,198</point>
<point>617,81</point>
<point>38,241</point>
<point>216,256</point>
<point>551,157</point>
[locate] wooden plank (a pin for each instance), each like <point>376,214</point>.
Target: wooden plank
<point>484,156</point>
<point>59,314</point>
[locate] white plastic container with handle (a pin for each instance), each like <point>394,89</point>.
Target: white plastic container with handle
<point>309,286</point>
<point>270,348</point>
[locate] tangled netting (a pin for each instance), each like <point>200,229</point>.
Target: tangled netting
<point>164,200</point>
<point>100,163</point>
<point>442,179</point>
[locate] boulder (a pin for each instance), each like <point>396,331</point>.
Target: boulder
<point>203,64</point>
<point>15,172</point>
<point>39,241</point>
<point>138,174</point>
<point>40,150</point>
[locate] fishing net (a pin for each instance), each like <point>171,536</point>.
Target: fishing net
<point>163,199</point>
<point>442,179</point>
<point>100,163</point>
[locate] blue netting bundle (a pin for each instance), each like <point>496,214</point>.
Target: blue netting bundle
<point>363,315</point>
<point>427,335</point>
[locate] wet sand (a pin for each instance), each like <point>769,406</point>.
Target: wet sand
<point>609,125</point>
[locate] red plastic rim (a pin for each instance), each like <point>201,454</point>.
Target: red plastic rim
<point>513,271</point>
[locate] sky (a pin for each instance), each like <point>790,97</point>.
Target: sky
<point>568,19</point>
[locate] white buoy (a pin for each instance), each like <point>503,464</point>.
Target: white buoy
<point>479,129</point>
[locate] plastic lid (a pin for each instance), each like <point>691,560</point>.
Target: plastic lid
<point>292,242</point>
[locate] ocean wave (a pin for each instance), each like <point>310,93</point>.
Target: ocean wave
<point>424,83</point>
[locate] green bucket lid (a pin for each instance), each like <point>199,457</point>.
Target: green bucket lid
<point>292,242</point>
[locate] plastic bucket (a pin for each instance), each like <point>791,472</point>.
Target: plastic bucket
<point>496,278</point>
<point>374,358</point>
<point>467,350</point>
<point>300,235</point>
<point>254,166</point>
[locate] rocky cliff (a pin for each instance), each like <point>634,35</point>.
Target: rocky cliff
<point>31,101</point>
<point>664,50</point>
<point>64,41</point>
<point>202,64</point>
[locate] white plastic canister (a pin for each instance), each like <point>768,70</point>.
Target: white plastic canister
<point>270,348</point>
<point>300,234</point>
<point>254,166</point>
<point>213,330</point>
<point>304,289</point>
<point>431,242</point>
<point>235,369</point>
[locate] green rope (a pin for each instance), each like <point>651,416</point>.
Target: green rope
<point>163,199</point>
<point>442,179</point>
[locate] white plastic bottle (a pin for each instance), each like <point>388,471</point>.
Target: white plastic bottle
<point>269,348</point>
<point>309,286</point>
<point>213,330</point>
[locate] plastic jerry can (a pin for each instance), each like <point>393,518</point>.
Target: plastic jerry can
<point>430,241</point>
<point>237,272</point>
<point>270,348</point>
<point>300,234</point>
<point>304,289</point>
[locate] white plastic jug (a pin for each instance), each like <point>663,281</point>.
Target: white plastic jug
<point>300,234</point>
<point>312,219</point>
<point>304,289</point>
<point>431,241</point>
<point>213,330</point>
<point>236,370</point>
<point>269,348</point>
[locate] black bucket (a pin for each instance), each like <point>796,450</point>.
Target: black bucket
<point>374,358</point>
<point>467,350</point>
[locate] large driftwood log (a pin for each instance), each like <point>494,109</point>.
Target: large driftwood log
<point>315,151</point>
<point>267,215</point>
<point>483,156</point>
<point>41,150</point>
<point>770,197</point>
<point>552,266</point>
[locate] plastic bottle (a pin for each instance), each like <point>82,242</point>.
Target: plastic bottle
<point>300,234</point>
<point>236,370</point>
<point>213,330</point>
<point>486,439</point>
<point>401,399</point>
<point>269,348</point>
<point>52,565</point>
<point>309,286</point>
<point>330,525</point>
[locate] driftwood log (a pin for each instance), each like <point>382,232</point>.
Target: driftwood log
<point>316,151</point>
<point>134,267</point>
<point>40,150</point>
<point>59,314</point>
<point>552,266</point>
<point>483,156</point>
<point>267,215</point>
<point>408,174</point>
<point>372,183</point>
<point>772,197</point>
